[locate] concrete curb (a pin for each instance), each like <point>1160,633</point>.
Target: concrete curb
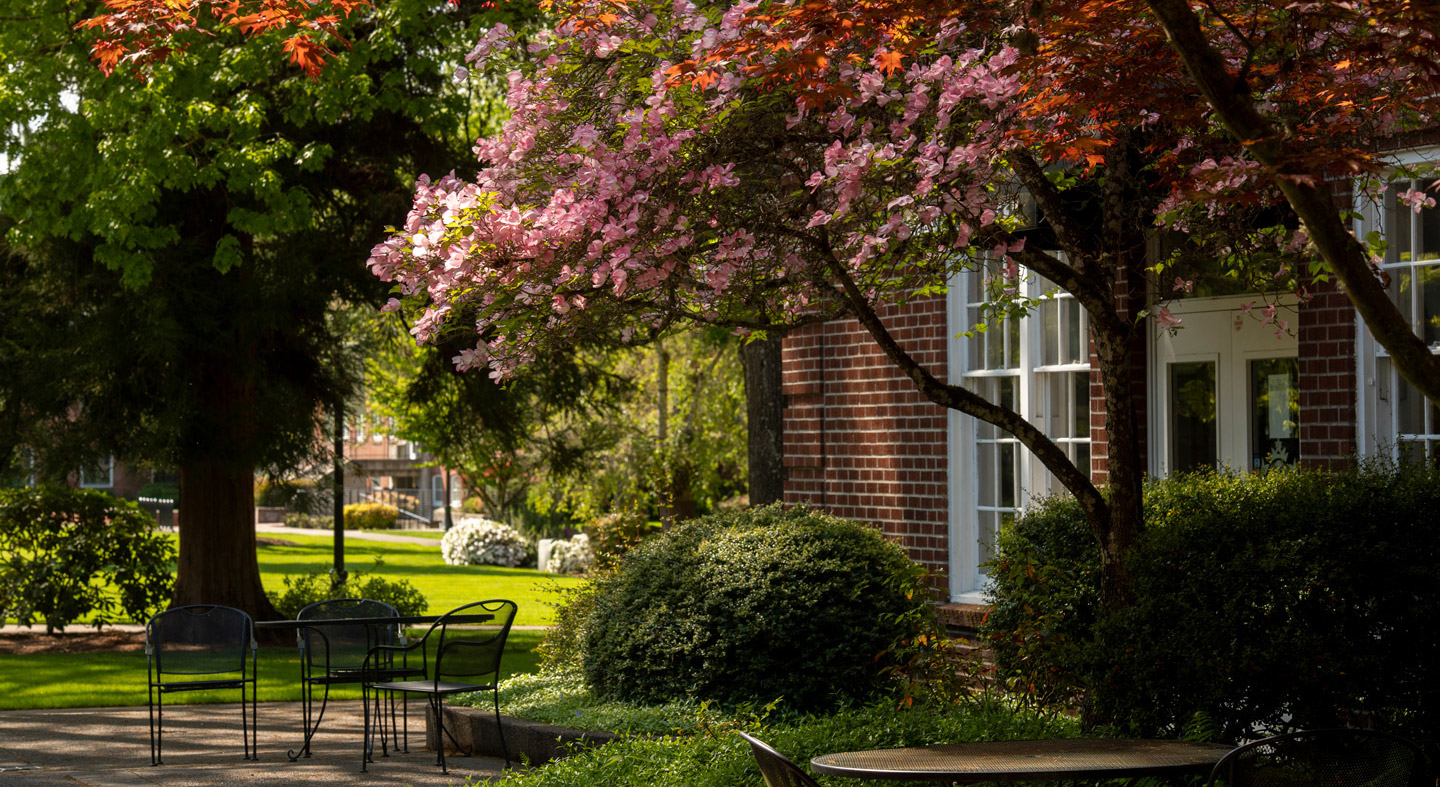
<point>528,741</point>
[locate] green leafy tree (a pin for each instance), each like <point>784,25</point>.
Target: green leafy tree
<point>172,247</point>
<point>678,443</point>
<point>499,438</point>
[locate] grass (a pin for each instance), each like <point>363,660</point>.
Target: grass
<point>69,680</point>
<point>105,679</point>
<point>445,587</point>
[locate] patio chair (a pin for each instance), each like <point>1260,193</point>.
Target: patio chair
<point>1336,758</point>
<point>777,769</point>
<point>470,654</point>
<point>200,648</point>
<point>334,654</point>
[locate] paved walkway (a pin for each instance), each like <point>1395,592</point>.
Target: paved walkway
<point>394,538</point>
<point>110,747</point>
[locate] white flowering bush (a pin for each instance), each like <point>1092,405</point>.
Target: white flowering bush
<point>571,557</point>
<point>483,542</point>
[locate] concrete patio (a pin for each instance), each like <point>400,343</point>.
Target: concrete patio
<point>110,747</point>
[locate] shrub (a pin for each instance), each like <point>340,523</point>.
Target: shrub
<point>65,553</point>
<point>483,542</point>
<point>309,521</point>
<point>1290,599</point>
<point>370,516</point>
<point>707,753</point>
<point>751,606</point>
<point>572,556</point>
<point>305,589</point>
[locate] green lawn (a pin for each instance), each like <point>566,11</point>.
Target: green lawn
<point>83,680</point>
<point>66,680</point>
<point>445,587</point>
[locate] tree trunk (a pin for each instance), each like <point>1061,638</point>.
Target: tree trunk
<point>1117,524</point>
<point>217,562</point>
<point>764,408</point>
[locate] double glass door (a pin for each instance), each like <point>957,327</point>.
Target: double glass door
<point>1227,390</point>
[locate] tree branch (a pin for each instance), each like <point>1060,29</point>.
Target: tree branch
<point>959,398</point>
<point>1307,196</point>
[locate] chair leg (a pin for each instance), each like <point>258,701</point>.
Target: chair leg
<point>254,717</point>
<point>365,738</point>
<point>154,739</point>
<point>437,702</point>
<point>500,728</point>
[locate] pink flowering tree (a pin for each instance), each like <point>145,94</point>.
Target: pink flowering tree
<point>641,182</point>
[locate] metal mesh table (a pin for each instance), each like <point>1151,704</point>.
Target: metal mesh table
<point>1035,760</point>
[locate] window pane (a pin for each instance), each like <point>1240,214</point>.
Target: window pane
<point>1007,475</point>
<point>995,345</point>
<point>1275,412</point>
<point>1080,416</point>
<point>1429,241</point>
<point>986,460</point>
<point>1082,457</point>
<point>1192,417</point>
<point>1007,392</point>
<point>1429,277</point>
<point>1402,292</point>
<point>989,523</point>
<point>1409,408</point>
<point>1012,333</point>
<point>1049,332</point>
<point>1074,336</point>
<point>1397,224</point>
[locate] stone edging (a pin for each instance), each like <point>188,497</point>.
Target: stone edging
<point>474,729</point>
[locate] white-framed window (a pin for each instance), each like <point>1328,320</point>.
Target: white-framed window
<point>99,476</point>
<point>1037,365</point>
<point>437,490</point>
<point>1397,420</point>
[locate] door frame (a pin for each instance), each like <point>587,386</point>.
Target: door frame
<point>1246,339</point>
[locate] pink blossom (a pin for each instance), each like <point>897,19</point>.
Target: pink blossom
<point>1166,320</point>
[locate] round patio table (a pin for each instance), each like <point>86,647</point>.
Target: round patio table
<point>1033,760</point>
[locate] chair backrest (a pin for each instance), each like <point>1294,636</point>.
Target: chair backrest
<point>344,647</point>
<point>1338,758</point>
<point>199,639</point>
<point>466,652</point>
<point>776,768</point>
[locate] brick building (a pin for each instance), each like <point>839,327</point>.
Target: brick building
<point>1225,390</point>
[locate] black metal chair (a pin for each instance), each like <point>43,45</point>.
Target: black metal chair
<point>334,654</point>
<point>1335,758</point>
<point>777,769</point>
<point>200,648</point>
<point>460,652</point>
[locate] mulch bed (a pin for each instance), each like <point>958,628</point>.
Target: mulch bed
<point>76,640</point>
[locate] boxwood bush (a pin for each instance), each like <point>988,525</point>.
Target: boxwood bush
<point>1294,598</point>
<point>752,606</point>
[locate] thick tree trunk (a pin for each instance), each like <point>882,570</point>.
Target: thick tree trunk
<point>1117,525</point>
<point>764,407</point>
<point>217,562</point>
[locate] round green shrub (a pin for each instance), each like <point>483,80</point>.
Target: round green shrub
<point>753,606</point>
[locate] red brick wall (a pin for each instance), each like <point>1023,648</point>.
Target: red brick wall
<point>1327,368</point>
<point>860,442</point>
<point>1327,380</point>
